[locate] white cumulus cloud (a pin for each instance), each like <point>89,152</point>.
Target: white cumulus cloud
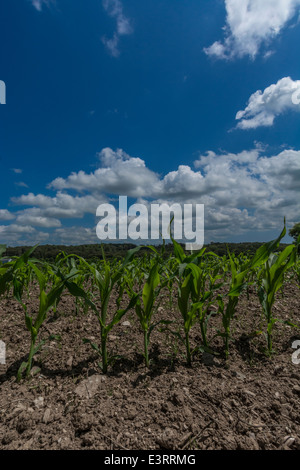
<point>264,106</point>
<point>243,193</point>
<point>6,215</point>
<point>250,24</point>
<point>119,174</point>
<point>16,234</point>
<point>75,236</point>
<point>36,218</point>
<point>63,205</point>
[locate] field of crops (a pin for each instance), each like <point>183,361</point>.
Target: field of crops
<point>188,351</point>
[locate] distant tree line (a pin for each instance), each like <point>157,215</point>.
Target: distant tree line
<point>118,250</point>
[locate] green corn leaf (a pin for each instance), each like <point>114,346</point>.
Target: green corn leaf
<point>43,303</point>
<point>94,346</point>
<point>21,369</point>
<point>149,288</point>
<point>138,309</point>
<point>28,322</point>
<point>276,272</point>
<point>181,269</point>
<point>238,284</point>
<point>38,347</point>
<point>54,295</point>
<point>24,258</point>
<point>153,249</point>
<point>255,333</point>
<point>195,256</point>
<point>77,291</point>
<point>178,251</point>
<point>283,257</point>
<point>220,303</point>
<point>289,323</point>
<point>183,296</point>
<point>271,324</point>
<point>40,276</point>
<point>17,290</point>
<point>233,268</point>
<point>207,349</point>
<point>120,313</point>
<point>263,253</point>
<point>196,274</point>
<point>130,254</point>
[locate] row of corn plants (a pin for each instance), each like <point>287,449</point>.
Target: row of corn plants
<point>205,286</point>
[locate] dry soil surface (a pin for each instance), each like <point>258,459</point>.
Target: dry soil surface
<point>250,402</point>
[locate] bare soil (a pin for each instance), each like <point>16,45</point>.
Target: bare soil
<point>252,402</point>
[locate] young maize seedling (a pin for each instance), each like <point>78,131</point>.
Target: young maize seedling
<point>145,308</point>
<point>105,281</point>
<point>236,286</point>
<point>190,282</point>
<point>46,301</point>
<point>202,297</point>
<point>8,271</point>
<point>271,279</point>
<point>188,312</point>
<point>239,282</point>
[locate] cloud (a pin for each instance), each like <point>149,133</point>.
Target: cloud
<point>75,236</point>
<point>38,4</point>
<point>264,106</point>
<point>120,174</point>
<point>243,193</point>
<point>15,229</point>
<point>16,234</point>
<point>6,215</point>
<point>182,182</point>
<point>251,24</point>
<point>265,189</point>
<point>35,217</point>
<point>18,171</point>
<point>21,184</point>
<point>63,206</point>
<point>114,9</point>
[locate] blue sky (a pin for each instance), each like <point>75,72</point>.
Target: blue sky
<point>162,101</point>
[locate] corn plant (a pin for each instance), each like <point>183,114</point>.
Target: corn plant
<point>237,284</point>
<point>9,270</point>
<point>105,280</point>
<point>187,310</point>
<point>271,278</point>
<point>46,301</point>
<point>204,285</point>
<point>189,280</point>
<point>239,274</point>
<point>68,262</point>
<point>145,306</point>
